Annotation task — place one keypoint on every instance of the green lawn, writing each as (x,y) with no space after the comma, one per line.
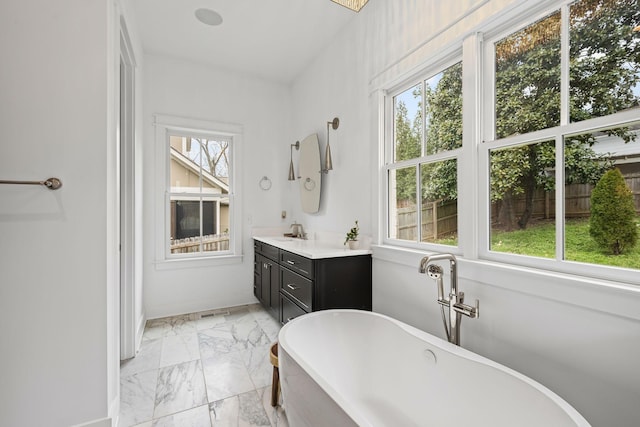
(539,240)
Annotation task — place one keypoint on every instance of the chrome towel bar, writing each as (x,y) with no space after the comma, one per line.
(51,183)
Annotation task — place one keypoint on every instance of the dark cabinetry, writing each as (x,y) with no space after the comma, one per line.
(290,285)
(266,277)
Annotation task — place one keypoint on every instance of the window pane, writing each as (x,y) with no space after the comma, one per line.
(185,225)
(199,188)
(403,215)
(602,209)
(605,58)
(439,202)
(214,157)
(443,107)
(527,77)
(522,200)
(408,124)
(184,172)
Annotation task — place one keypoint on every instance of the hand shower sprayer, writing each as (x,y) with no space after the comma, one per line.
(435,272)
(454,300)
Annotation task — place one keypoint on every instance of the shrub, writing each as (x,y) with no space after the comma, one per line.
(613,216)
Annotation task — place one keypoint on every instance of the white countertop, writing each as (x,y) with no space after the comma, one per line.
(314,249)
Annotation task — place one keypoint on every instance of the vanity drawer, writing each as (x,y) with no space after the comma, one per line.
(289,310)
(266,250)
(297,263)
(298,288)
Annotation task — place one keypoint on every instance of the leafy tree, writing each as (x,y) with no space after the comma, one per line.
(604,74)
(604,69)
(521,170)
(613,215)
(408,146)
(605,58)
(443,107)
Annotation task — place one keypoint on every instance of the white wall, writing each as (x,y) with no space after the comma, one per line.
(579,337)
(335,86)
(179,88)
(57,280)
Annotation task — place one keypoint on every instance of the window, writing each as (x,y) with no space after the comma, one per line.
(552,105)
(422,170)
(199,194)
(198,163)
(554,126)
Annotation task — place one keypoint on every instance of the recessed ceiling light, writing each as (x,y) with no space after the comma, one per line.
(208,17)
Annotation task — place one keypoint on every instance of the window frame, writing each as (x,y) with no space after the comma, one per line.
(566,128)
(452,58)
(476,51)
(164,127)
(198,196)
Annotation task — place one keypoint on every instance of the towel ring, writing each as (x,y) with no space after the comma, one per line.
(265,183)
(309,184)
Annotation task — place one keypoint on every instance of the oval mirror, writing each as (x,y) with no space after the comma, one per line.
(310,178)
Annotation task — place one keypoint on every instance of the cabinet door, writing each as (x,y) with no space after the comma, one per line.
(269,280)
(257,276)
(274,279)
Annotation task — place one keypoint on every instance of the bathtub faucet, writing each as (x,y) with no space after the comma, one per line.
(455,301)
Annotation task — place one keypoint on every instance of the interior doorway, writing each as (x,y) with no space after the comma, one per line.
(126,130)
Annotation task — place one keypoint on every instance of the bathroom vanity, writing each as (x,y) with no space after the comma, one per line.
(293,277)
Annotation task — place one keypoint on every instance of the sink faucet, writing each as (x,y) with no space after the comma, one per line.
(455,301)
(301,234)
(297,230)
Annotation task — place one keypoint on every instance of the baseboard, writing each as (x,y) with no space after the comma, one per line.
(103,422)
(140,331)
(114,409)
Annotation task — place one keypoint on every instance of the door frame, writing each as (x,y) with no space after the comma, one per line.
(126,126)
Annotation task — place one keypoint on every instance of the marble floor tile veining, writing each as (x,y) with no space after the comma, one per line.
(180,387)
(243,410)
(226,375)
(137,397)
(202,370)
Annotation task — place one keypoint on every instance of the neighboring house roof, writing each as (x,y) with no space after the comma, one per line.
(193,166)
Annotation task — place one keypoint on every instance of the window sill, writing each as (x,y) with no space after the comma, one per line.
(199,262)
(616,298)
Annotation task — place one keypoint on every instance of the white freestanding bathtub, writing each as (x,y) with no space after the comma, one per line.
(350,367)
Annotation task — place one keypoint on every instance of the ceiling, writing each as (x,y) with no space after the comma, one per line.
(271,39)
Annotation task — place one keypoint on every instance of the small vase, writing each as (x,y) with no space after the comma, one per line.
(354,244)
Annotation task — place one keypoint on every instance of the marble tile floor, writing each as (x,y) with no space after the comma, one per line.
(207,369)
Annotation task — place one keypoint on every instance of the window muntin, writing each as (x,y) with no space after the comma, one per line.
(422,187)
(199,194)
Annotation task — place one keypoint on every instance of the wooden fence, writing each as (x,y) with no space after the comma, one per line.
(577,200)
(440,219)
(210,243)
